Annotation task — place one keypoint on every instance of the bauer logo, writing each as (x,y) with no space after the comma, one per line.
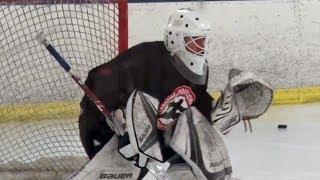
(216,164)
(106,175)
(144,134)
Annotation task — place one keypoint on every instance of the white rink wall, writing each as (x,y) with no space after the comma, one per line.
(278,40)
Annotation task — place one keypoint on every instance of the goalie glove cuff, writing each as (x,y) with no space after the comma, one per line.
(225,112)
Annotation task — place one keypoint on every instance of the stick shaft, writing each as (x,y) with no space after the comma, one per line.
(118,130)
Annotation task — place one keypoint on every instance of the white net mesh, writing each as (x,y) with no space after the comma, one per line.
(39,102)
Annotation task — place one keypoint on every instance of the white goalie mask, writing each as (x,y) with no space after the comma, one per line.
(186,38)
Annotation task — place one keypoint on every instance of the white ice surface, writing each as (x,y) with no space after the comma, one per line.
(272,154)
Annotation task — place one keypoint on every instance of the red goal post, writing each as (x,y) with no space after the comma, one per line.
(123,25)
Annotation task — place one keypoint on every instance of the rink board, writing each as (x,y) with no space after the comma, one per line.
(71,109)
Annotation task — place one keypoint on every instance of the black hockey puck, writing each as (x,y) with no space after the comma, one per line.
(282,126)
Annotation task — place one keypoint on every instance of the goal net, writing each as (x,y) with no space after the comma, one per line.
(39,103)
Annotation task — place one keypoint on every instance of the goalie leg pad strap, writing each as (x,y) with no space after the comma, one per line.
(127,151)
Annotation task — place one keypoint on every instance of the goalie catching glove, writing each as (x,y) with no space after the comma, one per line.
(245,97)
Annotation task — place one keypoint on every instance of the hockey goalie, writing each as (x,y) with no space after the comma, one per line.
(157,92)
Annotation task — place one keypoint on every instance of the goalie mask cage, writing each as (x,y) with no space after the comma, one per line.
(39,102)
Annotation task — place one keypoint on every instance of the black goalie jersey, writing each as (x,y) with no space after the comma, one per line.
(146,67)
